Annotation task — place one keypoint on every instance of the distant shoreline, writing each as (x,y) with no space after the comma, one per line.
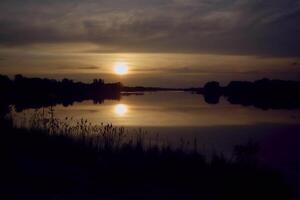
(36,92)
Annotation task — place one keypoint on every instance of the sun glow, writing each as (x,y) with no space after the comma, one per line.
(121,109)
(121,68)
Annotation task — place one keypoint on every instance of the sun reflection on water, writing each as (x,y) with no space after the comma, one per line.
(121,109)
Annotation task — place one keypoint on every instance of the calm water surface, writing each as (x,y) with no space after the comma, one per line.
(173,109)
(175,115)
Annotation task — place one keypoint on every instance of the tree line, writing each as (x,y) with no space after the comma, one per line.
(36,92)
(264,93)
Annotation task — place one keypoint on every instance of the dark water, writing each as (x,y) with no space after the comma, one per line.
(219,127)
(175,115)
(174,109)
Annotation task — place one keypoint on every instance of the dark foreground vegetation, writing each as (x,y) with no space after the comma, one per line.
(52,159)
(264,93)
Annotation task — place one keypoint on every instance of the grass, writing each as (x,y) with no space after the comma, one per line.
(54,159)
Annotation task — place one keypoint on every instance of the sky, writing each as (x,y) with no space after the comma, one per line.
(169,43)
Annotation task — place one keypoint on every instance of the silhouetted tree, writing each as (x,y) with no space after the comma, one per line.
(35,92)
(212,92)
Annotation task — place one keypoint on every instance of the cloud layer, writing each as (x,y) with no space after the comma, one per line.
(239,27)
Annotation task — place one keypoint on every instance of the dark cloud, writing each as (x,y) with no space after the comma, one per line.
(202,70)
(78,68)
(20,33)
(243,27)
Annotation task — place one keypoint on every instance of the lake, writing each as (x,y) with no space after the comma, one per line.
(175,115)
(216,127)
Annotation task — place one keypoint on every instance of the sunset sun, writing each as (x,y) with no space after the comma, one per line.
(120,68)
(121,109)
